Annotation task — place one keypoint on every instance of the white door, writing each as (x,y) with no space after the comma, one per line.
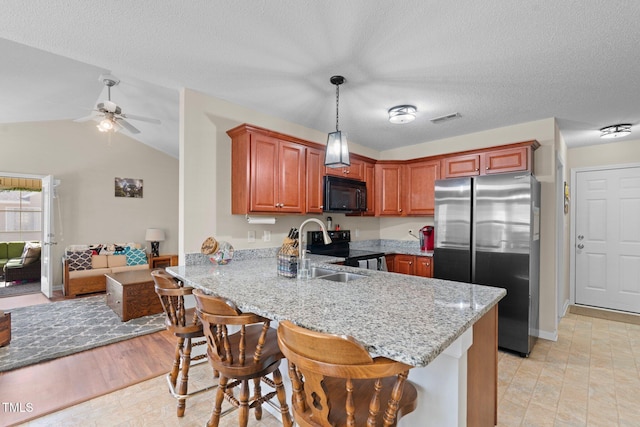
(607,243)
(46,285)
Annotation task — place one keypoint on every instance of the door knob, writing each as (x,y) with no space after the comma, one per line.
(580,246)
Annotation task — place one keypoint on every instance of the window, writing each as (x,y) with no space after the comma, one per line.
(20,215)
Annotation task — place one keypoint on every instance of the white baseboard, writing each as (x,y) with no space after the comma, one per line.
(565,307)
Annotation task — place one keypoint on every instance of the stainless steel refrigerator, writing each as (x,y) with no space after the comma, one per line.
(487,231)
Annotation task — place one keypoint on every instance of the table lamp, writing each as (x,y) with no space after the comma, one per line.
(155,236)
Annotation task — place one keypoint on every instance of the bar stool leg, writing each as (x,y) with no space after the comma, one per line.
(173,376)
(243,416)
(217,406)
(282,399)
(184,376)
(256,396)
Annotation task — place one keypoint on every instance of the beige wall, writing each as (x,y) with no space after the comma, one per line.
(86,163)
(205,157)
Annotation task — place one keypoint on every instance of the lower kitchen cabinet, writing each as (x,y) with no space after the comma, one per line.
(424,266)
(410,264)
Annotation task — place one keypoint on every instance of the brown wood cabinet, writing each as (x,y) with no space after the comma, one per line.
(388,189)
(5,329)
(405,264)
(419,187)
(163,261)
(415,265)
(315,172)
(355,171)
(131,294)
(370,181)
(424,266)
(516,157)
(482,372)
(268,174)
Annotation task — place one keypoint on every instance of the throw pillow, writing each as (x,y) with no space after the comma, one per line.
(31,253)
(135,256)
(79,260)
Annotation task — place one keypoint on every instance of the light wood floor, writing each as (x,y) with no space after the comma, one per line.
(589,377)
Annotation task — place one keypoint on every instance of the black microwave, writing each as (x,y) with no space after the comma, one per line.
(344,195)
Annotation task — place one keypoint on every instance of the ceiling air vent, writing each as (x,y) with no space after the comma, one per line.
(445,118)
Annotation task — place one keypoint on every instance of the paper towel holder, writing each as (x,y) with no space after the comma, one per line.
(261,220)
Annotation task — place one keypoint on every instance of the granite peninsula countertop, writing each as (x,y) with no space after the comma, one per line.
(406,318)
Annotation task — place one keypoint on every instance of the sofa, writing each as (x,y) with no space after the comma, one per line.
(85,266)
(20,261)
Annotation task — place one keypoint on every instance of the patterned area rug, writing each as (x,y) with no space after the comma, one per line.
(48,331)
(13,288)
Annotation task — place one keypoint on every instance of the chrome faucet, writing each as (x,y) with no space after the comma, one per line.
(325,235)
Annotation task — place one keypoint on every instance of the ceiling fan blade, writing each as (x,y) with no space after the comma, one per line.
(141,118)
(128,126)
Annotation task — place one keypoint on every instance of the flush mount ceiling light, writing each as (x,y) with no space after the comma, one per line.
(402,114)
(615,131)
(337,153)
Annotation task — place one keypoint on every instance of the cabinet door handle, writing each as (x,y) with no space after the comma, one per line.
(477,169)
(400,210)
(487,168)
(410,262)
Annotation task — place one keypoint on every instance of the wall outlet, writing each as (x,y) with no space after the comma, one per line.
(357,232)
(251,236)
(266,236)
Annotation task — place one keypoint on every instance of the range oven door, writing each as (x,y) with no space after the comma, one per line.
(371,263)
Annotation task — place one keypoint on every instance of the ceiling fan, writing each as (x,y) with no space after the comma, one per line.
(109,115)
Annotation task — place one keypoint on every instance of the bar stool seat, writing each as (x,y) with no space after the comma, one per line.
(336,382)
(251,353)
(184,324)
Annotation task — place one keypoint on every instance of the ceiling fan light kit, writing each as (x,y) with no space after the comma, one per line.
(615,131)
(337,152)
(402,114)
(110,117)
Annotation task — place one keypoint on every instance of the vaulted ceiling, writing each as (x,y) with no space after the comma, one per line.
(495,63)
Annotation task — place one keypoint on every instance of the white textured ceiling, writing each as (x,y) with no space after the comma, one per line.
(497,63)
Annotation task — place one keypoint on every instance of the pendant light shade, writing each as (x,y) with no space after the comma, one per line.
(337,152)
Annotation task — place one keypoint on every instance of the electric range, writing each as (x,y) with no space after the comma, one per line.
(339,247)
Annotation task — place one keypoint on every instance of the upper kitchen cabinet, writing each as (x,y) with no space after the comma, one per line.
(268,173)
(419,187)
(511,158)
(315,172)
(355,171)
(369,177)
(388,188)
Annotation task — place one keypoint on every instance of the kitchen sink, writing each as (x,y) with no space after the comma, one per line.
(333,275)
(319,271)
(342,277)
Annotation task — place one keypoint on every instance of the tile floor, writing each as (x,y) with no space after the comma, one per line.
(589,377)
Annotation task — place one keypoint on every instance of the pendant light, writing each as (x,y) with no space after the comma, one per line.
(337,153)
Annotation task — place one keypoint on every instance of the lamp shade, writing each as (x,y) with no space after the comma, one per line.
(337,153)
(154,235)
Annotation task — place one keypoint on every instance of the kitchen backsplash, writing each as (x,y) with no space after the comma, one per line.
(408,246)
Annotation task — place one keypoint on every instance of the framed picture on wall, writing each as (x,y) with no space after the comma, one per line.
(128,187)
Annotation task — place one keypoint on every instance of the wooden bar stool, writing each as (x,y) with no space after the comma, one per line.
(336,382)
(184,324)
(248,354)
